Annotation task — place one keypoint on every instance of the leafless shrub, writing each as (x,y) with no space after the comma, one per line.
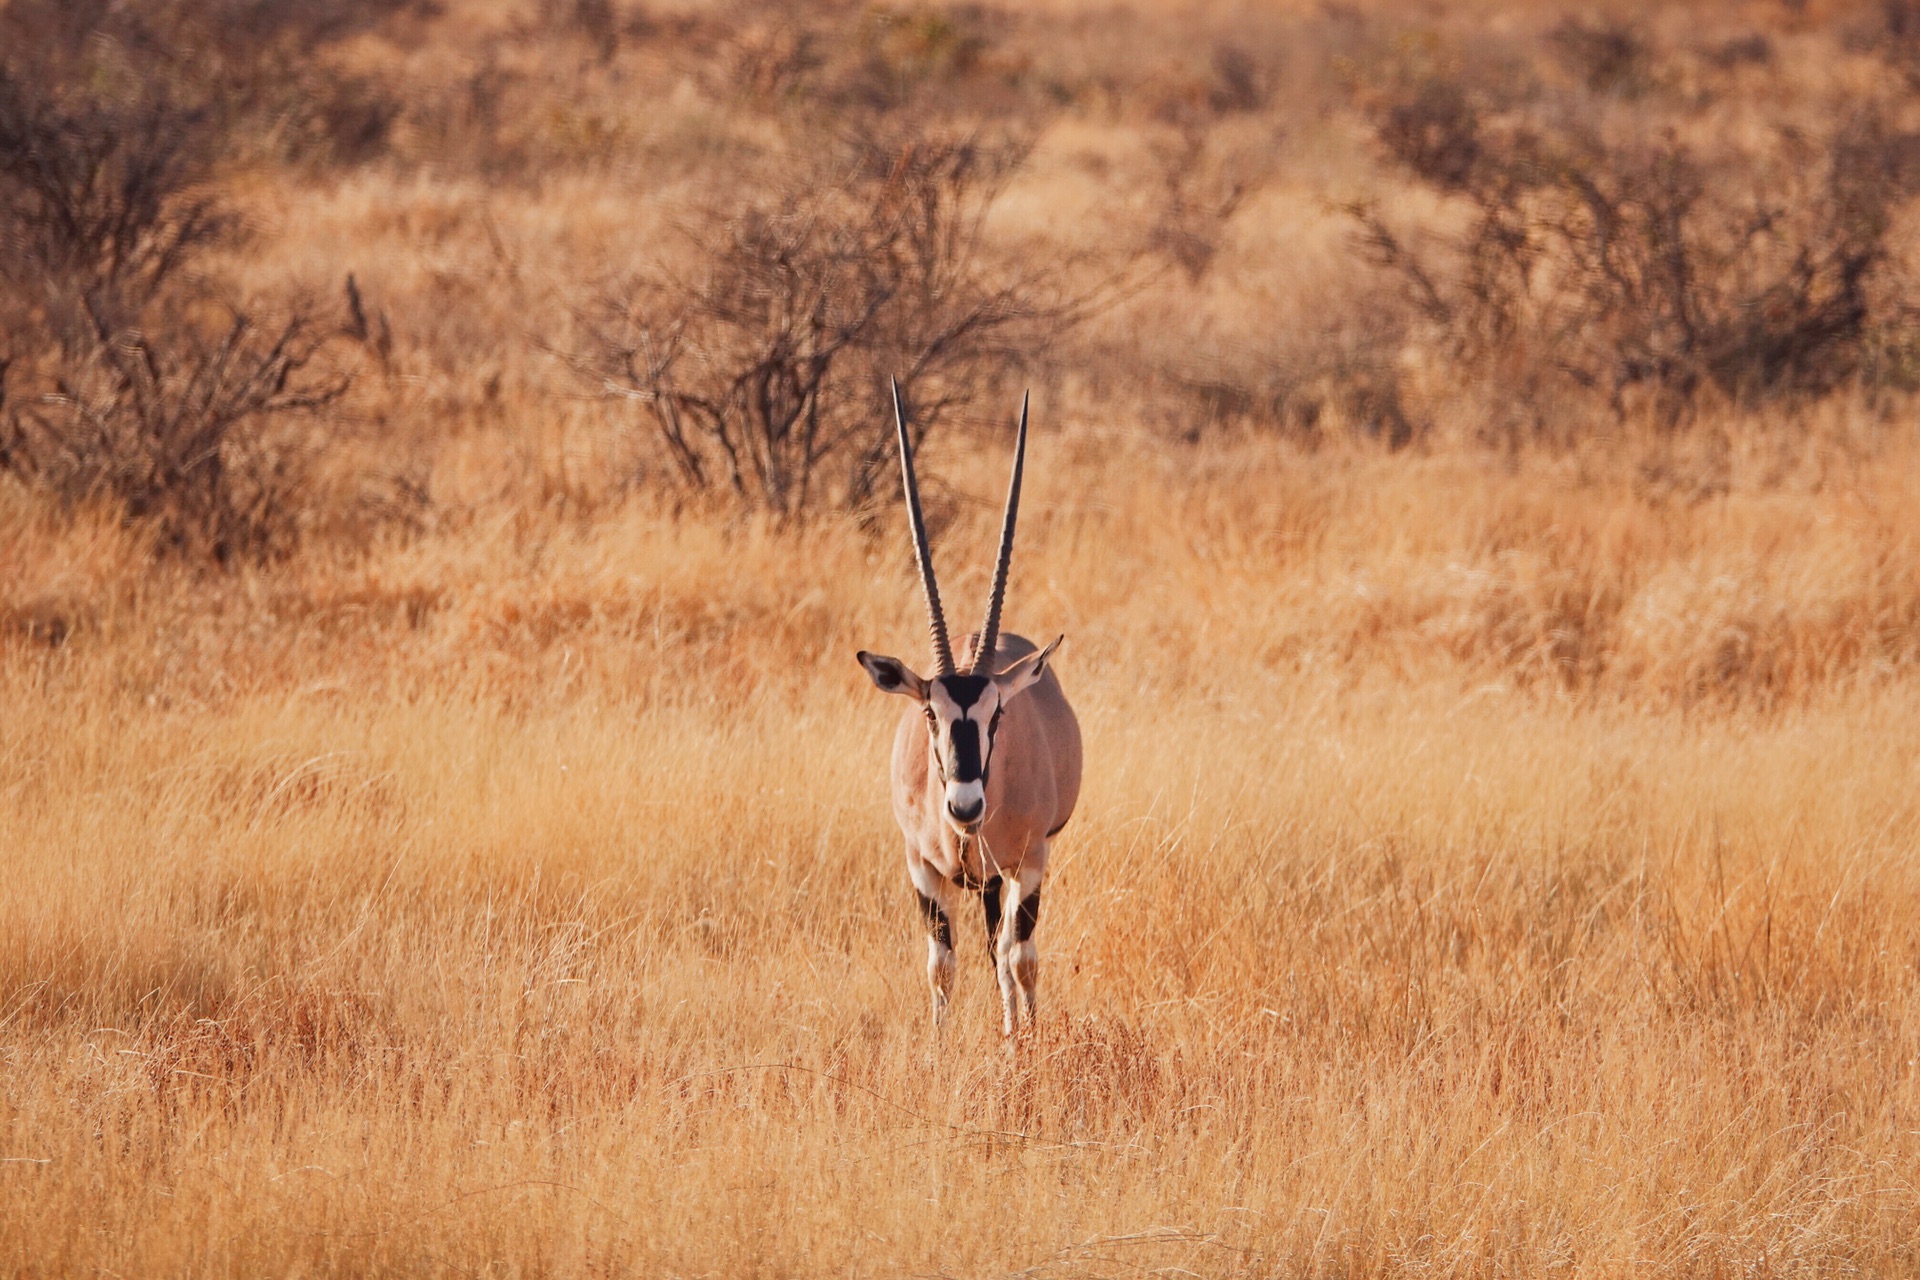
(133,382)
(1753,49)
(1894,34)
(1607,57)
(597,23)
(1435,131)
(1645,271)
(187,435)
(1330,377)
(1239,82)
(1200,195)
(765,373)
(257,71)
(902,51)
(102,205)
(349,120)
(841,58)
(1345,382)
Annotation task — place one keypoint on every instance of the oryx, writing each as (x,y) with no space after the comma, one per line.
(986,768)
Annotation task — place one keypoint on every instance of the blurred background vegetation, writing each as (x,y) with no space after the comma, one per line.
(260,263)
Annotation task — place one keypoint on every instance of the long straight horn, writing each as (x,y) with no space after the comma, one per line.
(990,631)
(936,620)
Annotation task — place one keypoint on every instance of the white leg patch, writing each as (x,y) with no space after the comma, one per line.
(1019,956)
(1026,975)
(940,969)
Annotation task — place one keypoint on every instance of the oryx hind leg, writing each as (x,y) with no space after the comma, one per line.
(936,912)
(1018,958)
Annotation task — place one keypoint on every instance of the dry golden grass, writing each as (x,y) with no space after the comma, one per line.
(1488,866)
(1494,861)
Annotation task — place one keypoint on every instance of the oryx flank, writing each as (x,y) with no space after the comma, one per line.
(986,769)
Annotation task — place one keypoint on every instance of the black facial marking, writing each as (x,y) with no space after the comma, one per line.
(1027,916)
(939,928)
(990,899)
(964,690)
(966,757)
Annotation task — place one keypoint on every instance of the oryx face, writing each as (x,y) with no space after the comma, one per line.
(962,720)
(963,712)
(963,715)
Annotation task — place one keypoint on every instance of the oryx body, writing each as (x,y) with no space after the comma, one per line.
(985,772)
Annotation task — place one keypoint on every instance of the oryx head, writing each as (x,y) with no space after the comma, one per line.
(962,709)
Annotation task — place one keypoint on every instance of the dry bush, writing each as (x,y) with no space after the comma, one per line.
(1329,378)
(1200,195)
(838,61)
(1606,56)
(105,204)
(265,71)
(131,380)
(1893,33)
(1643,272)
(838,58)
(765,374)
(186,437)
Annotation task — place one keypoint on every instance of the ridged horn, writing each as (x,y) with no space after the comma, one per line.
(922,553)
(990,630)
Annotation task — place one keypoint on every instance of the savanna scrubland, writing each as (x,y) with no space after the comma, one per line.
(444,477)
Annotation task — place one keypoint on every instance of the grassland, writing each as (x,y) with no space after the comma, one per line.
(1497,855)
(525,901)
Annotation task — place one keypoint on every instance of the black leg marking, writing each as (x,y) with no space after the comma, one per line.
(990,899)
(1027,916)
(938,926)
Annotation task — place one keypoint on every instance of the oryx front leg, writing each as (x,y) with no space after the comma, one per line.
(1019,958)
(936,912)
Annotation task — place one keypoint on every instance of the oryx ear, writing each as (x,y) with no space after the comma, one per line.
(890,675)
(1024,672)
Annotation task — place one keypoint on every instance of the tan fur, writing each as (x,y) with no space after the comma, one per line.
(1033,782)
